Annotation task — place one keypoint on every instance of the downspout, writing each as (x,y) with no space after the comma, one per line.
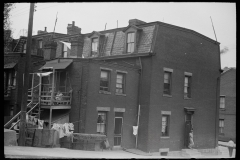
(139,93)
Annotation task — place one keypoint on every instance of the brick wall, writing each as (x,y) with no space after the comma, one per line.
(183,52)
(228,88)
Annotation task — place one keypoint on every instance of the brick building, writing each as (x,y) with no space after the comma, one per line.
(159,77)
(227,113)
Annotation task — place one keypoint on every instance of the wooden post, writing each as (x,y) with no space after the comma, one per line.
(52,96)
(26,80)
(39,95)
(32,87)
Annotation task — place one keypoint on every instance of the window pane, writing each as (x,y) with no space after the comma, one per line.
(166,88)
(186,80)
(132,37)
(129,37)
(103,83)
(119,85)
(119,76)
(132,47)
(104,74)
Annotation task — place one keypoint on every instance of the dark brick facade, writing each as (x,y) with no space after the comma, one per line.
(228,89)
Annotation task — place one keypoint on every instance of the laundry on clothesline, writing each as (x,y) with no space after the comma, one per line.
(40,124)
(65,129)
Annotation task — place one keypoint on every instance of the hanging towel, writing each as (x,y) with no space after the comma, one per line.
(40,124)
(135,130)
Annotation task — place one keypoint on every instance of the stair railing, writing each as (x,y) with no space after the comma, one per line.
(16,116)
(26,113)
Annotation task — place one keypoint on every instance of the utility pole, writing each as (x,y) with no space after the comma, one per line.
(26,78)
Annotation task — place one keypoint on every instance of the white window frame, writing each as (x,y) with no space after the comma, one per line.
(222,104)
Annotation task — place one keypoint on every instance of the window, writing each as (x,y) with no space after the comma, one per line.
(187,87)
(130,42)
(25,47)
(167,83)
(101,122)
(221,126)
(165,125)
(64,50)
(105,80)
(39,43)
(94,46)
(10,77)
(120,83)
(222,102)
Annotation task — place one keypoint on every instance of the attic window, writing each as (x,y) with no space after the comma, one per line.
(94,46)
(130,42)
(132,35)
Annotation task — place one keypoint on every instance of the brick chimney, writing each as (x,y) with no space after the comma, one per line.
(135,22)
(77,47)
(50,48)
(42,32)
(72,29)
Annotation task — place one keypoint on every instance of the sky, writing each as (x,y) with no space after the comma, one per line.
(200,17)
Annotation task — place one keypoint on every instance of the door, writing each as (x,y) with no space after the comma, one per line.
(118,131)
(188,127)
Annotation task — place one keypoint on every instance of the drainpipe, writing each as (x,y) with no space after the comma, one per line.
(139,93)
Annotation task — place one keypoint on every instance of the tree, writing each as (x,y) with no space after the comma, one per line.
(7,26)
(7,9)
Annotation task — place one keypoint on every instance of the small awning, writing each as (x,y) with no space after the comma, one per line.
(9,65)
(57,64)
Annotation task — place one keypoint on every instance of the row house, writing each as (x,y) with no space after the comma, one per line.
(159,77)
(227,110)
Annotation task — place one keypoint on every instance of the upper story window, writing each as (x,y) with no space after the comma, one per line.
(130,42)
(105,80)
(120,83)
(167,83)
(187,87)
(64,50)
(94,46)
(40,44)
(25,47)
(187,84)
(222,102)
(132,34)
(10,78)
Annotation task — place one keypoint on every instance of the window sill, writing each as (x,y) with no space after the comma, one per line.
(187,98)
(222,109)
(221,134)
(165,137)
(120,94)
(167,95)
(104,92)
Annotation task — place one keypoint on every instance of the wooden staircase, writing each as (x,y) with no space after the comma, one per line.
(19,45)
(33,109)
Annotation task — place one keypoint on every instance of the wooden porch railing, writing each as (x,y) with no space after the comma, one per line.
(65,99)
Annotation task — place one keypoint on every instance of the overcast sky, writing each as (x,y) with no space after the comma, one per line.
(93,17)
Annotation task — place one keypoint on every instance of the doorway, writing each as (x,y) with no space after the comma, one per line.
(118,121)
(188,127)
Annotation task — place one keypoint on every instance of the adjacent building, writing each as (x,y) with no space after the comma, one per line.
(159,77)
(227,113)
